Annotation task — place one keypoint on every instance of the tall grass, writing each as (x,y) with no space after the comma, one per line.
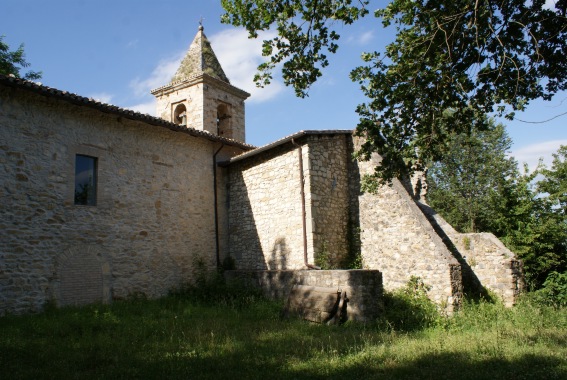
(192,335)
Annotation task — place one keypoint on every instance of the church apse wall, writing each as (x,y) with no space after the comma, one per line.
(265,210)
(265,214)
(151,217)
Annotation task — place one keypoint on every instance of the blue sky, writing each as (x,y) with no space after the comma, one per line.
(118,50)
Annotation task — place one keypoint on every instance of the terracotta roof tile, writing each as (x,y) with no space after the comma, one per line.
(72,98)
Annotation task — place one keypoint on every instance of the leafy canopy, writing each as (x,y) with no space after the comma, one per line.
(468,185)
(452,61)
(476,188)
(11,62)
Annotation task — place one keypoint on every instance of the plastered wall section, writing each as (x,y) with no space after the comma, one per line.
(265,214)
(153,219)
(492,264)
(398,240)
(327,196)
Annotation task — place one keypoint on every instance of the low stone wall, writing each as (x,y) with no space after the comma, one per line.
(363,287)
(484,258)
(495,266)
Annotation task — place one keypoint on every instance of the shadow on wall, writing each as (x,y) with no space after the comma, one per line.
(244,242)
(353,259)
(472,287)
(278,255)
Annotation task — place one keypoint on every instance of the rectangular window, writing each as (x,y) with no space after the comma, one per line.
(85,180)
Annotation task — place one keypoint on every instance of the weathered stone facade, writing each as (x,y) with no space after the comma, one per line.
(397,238)
(153,218)
(200,95)
(265,212)
(265,221)
(486,262)
(185,188)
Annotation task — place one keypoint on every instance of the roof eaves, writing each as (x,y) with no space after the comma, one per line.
(285,140)
(115,110)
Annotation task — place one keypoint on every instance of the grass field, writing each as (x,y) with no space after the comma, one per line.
(179,337)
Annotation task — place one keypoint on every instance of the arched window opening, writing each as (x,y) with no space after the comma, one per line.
(180,115)
(223,121)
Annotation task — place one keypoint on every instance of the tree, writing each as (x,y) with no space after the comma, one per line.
(468,57)
(476,188)
(467,185)
(10,60)
(555,181)
(532,227)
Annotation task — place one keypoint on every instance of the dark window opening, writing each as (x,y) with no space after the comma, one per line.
(223,121)
(85,180)
(180,115)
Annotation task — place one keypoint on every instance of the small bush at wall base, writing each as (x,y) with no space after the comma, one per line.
(409,308)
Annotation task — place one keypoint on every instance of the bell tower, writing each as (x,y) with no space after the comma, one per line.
(200,95)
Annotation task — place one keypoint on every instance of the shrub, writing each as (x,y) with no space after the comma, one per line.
(409,308)
(554,291)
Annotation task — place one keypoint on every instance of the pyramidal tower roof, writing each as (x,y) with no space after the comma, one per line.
(200,59)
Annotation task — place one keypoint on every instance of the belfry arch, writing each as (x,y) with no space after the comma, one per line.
(224,121)
(180,114)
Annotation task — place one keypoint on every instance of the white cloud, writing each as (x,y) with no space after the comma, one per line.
(531,154)
(361,39)
(160,76)
(366,37)
(239,57)
(148,108)
(102,97)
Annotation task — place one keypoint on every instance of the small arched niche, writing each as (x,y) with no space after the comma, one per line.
(180,114)
(223,121)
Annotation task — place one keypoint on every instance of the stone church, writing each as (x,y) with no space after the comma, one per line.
(100,203)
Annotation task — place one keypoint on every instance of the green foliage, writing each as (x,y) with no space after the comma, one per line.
(554,291)
(323,257)
(178,338)
(452,61)
(305,34)
(555,181)
(215,290)
(409,308)
(11,62)
(353,259)
(476,188)
(467,186)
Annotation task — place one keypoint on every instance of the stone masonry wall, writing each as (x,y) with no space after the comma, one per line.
(201,100)
(265,217)
(398,240)
(191,97)
(215,96)
(328,196)
(154,214)
(265,214)
(485,259)
(363,287)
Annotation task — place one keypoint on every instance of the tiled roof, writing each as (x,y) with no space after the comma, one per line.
(286,139)
(10,81)
(200,59)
